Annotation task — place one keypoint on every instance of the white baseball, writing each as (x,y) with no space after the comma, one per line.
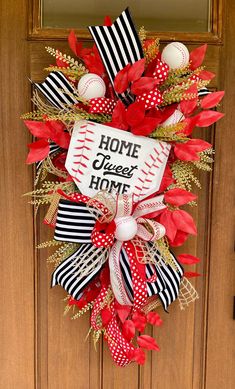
(175,55)
(126,228)
(90,86)
(175,118)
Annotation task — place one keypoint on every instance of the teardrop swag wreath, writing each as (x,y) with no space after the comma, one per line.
(114,127)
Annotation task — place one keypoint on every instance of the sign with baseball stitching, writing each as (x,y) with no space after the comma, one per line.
(105,158)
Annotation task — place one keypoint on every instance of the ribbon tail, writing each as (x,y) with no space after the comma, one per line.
(116,277)
(172,277)
(74,274)
(119,348)
(60,96)
(120,40)
(138,273)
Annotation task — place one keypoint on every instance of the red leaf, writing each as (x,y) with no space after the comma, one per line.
(207,118)
(136,70)
(119,116)
(93,293)
(212,99)
(167,220)
(73,43)
(38,151)
(184,221)
(106,316)
(199,144)
(179,239)
(187,259)
(128,330)
(137,355)
(92,60)
(62,139)
(59,161)
(143,85)
(122,310)
(38,129)
(188,151)
(139,321)
(190,123)
(206,75)
(151,67)
(197,56)
(81,303)
(154,319)
(105,277)
(187,106)
(58,135)
(190,274)
(146,341)
(145,127)
(166,180)
(179,196)
(107,21)
(135,113)
(121,80)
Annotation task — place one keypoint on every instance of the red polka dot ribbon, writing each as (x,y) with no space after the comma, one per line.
(161,71)
(103,234)
(102,105)
(151,99)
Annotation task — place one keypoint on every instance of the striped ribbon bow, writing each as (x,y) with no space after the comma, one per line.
(97,224)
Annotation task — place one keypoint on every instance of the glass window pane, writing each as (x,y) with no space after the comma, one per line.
(154,15)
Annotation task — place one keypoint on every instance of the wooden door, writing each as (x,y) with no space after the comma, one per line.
(40,348)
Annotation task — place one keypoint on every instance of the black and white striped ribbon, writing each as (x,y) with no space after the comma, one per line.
(166,286)
(168,279)
(57,90)
(203,92)
(66,273)
(118,45)
(74,222)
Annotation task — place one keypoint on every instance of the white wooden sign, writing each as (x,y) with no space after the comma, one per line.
(105,158)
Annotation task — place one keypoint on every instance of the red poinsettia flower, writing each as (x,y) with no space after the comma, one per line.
(127,75)
(47,130)
(133,118)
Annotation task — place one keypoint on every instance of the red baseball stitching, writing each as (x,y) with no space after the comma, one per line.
(146,173)
(79,163)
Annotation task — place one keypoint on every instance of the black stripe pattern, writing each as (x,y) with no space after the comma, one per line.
(66,273)
(168,279)
(74,222)
(203,92)
(118,45)
(57,90)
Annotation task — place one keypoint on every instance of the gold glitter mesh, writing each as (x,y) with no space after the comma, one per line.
(187,294)
(109,206)
(144,251)
(51,214)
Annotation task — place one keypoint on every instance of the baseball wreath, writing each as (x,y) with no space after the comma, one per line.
(114,126)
